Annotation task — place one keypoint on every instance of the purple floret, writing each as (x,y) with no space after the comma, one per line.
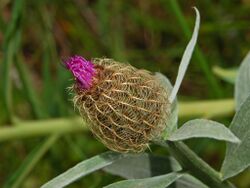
(82,70)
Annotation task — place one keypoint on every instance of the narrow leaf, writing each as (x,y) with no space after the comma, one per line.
(158,181)
(203,128)
(188,181)
(29,89)
(186,57)
(11,45)
(199,56)
(136,166)
(238,155)
(242,87)
(82,169)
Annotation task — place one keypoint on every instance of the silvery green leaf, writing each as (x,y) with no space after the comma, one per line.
(238,155)
(203,128)
(135,166)
(188,181)
(171,122)
(158,181)
(82,169)
(186,57)
(242,86)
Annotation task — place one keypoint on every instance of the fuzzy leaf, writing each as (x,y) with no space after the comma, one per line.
(82,169)
(158,181)
(188,181)
(136,166)
(186,57)
(171,123)
(242,87)
(203,128)
(238,155)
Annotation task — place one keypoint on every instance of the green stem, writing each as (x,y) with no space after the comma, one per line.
(207,108)
(196,166)
(66,125)
(41,128)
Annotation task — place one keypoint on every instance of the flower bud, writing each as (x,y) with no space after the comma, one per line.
(125,107)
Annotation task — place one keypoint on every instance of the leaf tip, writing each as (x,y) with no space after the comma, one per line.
(237,140)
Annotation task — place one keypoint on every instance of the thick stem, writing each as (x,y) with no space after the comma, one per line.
(196,166)
(65,125)
(207,108)
(42,128)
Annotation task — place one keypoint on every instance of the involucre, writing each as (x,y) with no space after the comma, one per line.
(124,107)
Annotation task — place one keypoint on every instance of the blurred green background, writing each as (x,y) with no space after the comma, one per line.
(36,35)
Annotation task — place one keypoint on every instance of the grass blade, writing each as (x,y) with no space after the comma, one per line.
(10,47)
(32,98)
(30,162)
(228,75)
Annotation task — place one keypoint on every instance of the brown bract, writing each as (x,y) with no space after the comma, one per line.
(125,108)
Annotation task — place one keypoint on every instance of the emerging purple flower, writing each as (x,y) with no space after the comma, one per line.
(82,70)
(125,108)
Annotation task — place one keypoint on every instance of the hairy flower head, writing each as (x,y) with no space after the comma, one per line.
(125,107)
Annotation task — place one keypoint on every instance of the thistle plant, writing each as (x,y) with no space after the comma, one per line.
(124,107)
(128,109)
